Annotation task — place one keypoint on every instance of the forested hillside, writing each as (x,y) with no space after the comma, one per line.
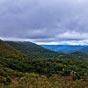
(9,52)
(34,50)
(18,70)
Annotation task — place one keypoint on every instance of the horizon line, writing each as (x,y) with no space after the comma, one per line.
(46,43)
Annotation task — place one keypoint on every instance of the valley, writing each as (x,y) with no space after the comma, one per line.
(27,65)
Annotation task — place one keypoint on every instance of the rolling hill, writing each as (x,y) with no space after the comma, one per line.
(84,49)
(67,48)
(9,52)
(79,55)
(21,73)
(34,50)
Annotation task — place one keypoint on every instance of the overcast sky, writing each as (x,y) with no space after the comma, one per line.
(45,21)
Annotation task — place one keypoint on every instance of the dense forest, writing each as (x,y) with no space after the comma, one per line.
(30,66)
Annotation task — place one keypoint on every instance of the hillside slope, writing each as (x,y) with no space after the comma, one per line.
(35,50)
(84,49)
(8,51)
(55,73)
(79,55)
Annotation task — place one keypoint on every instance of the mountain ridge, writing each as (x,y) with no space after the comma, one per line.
(7,51)
(33,49)
(67,48)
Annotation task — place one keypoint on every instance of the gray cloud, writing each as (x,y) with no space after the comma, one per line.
(44,20)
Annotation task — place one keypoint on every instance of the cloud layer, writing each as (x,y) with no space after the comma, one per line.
(44,21)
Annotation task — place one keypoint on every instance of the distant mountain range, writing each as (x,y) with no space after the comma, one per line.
(36,51)
(67,48)
(29,50)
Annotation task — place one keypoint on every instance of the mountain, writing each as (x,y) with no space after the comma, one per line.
(67,48)
(84,49)
(28,73)
(8,51)
(34,50)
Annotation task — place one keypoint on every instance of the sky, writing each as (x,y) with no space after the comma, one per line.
(45,21)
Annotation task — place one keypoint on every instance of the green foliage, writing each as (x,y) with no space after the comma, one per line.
(33,80)
(33,50)
(74,68)
(46,70)
(9,52)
